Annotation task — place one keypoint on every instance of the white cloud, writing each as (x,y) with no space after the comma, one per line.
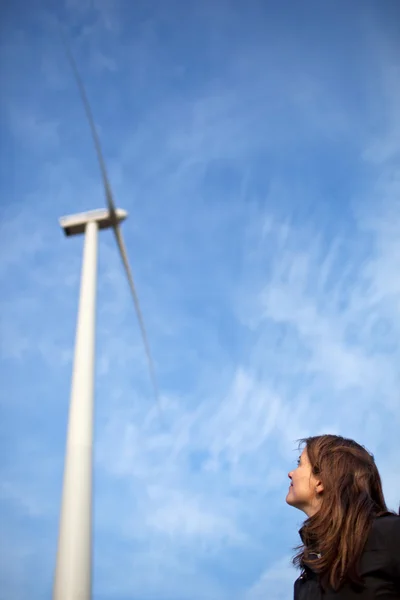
(276,582)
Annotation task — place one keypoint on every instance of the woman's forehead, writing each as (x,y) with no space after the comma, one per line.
(304,455)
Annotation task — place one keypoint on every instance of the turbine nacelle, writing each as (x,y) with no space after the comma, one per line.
(76,224)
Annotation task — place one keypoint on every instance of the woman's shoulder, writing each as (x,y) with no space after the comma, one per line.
(386,524)
(385,533)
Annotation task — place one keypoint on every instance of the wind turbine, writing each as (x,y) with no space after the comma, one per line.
(73,571)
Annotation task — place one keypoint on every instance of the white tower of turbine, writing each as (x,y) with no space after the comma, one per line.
(73,571)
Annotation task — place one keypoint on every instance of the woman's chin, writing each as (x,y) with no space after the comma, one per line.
(289,497)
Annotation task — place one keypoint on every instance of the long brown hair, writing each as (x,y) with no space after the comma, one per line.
(335,536)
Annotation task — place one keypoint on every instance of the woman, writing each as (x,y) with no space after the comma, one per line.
(350,541)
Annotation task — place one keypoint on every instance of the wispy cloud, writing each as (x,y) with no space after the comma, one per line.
(275,582)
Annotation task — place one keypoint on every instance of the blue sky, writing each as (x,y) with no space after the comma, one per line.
(257,150)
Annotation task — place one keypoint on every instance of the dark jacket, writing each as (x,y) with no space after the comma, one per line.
(379,566)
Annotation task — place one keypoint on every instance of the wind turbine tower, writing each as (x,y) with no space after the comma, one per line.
(73,571)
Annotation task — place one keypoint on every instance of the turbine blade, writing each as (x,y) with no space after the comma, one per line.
(96,140)
(114,219)
(124,257)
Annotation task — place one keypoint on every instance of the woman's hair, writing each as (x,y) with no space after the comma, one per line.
(351,499)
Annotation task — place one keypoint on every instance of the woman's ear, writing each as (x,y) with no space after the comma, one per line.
(319,487)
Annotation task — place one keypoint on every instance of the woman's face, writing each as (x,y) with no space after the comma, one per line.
(305,490)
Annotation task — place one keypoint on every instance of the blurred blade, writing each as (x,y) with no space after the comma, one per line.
(107,187)
(124,257)
(114,219)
